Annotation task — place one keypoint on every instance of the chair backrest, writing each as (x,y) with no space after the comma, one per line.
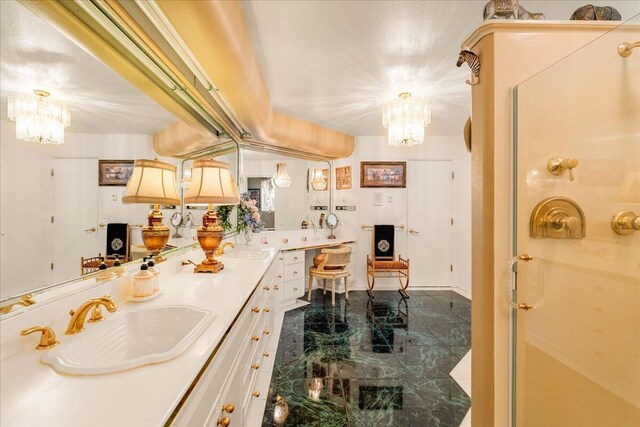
(384,242)
(118,240)
(339,257)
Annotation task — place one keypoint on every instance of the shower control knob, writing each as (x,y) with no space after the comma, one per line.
(625,223)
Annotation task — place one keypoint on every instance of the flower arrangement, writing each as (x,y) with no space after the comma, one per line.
(248,214)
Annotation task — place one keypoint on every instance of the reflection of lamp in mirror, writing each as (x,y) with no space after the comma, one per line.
(281,178)
(153,181)
(317,180)
(211,183)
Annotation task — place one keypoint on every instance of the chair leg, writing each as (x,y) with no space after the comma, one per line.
(324,286)
(333,291)
(310,286)
(346,288)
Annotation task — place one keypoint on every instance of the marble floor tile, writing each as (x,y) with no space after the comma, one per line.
(374,362)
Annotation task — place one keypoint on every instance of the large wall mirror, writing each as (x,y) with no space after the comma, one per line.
(288,190)
(61,201)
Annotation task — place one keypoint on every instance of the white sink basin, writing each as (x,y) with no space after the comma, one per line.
(245,255)
(130,339)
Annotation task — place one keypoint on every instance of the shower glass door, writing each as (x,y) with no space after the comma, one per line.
(576,284)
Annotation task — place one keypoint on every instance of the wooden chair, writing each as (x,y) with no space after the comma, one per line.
(335,265)
(383,264)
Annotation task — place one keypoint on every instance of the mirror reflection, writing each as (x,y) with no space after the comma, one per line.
(71,131)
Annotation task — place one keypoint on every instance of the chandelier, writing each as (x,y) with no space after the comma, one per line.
(281,178)
(38,118)
(405,119)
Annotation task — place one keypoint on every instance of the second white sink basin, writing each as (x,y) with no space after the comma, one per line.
(130,339)
(245,255)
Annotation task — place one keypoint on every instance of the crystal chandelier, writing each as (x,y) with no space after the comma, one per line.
(405,119)
(38,118)
(281,178)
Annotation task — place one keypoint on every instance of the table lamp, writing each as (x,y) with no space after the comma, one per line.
(153,181)
(212,183)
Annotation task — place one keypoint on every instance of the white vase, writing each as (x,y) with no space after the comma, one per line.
(248,235)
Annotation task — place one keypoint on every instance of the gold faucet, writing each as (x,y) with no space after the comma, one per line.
(220,250)
(76,324)
(26,301)
(47,339)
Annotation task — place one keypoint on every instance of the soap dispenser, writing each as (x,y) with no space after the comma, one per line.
(118,269)
(143,282)
(104,274)
(156,275)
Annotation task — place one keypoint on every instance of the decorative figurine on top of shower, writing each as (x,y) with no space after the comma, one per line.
(508,9)
(590,12)
(474,64)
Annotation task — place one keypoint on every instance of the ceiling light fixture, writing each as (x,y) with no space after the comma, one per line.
(405,119)
(38,118)
(281,178)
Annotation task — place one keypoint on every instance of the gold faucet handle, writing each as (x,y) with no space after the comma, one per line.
(47,339)
(96,314)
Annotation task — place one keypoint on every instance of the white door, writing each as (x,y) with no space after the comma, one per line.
(74,197)
(430,215)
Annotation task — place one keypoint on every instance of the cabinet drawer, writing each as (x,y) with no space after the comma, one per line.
(294,289)
(293,257)
(293,272)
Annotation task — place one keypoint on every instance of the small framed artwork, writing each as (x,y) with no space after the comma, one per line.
(383,174)
(254,194)
(114,173)
(343,178)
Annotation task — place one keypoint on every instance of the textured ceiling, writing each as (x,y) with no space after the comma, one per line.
(335,63)
(33,55)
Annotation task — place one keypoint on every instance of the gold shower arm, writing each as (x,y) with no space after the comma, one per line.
(625,49)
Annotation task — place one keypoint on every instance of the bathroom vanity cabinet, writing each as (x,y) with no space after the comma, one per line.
(239,374)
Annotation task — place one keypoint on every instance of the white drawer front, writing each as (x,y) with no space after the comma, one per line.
(294,289)
(293,257)
(293,272)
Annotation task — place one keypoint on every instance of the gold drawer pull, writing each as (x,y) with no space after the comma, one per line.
(255,394)
(295,258)
(255,366)
(255,338)
(266,332)
(255,310)
(295,289)
(295,272)
(228,408)
(224,422)
(276,287)
(266,288)
(265,354)
(279,276)
(266,310)
(280,258)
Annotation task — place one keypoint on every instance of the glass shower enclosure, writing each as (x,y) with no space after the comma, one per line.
(575,292)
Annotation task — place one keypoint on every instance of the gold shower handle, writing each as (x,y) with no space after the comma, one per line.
(524,257)
(625,49)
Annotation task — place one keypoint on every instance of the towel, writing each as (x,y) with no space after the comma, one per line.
(383,242)
(117,239)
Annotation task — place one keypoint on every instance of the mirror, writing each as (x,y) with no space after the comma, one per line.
(332,222)
(285,206)
(61,204)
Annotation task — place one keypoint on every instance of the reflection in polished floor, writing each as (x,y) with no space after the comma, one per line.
(385,361)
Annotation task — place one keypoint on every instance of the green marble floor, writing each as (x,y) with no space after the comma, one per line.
(371,362)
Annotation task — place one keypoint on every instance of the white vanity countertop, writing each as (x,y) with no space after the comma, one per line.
(33,394)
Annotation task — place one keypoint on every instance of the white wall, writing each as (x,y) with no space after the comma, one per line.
(394,210)
(26,207)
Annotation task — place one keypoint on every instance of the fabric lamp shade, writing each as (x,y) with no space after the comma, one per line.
(152,181)
(212,182)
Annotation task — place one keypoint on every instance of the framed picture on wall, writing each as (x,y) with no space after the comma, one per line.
(343,178)
(383,174)
(114,173)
